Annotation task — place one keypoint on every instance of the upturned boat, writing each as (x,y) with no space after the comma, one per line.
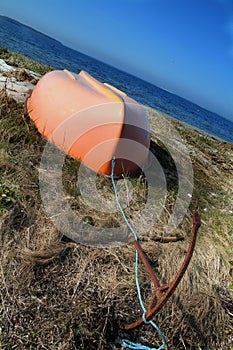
(91,121)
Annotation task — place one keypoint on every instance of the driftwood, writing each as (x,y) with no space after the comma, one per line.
(162,239)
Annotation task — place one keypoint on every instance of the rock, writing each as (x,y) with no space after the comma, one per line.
(34,75)
(4,67)
(18,90)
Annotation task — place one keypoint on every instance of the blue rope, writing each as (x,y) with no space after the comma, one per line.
(128,344)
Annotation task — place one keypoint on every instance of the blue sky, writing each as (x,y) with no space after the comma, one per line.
(184,46)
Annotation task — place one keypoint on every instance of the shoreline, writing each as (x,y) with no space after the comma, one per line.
(190,127)
(26,64)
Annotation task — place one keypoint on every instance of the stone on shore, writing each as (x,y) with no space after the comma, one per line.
(18,90)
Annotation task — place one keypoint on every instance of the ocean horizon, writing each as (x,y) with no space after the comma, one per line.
(18,37)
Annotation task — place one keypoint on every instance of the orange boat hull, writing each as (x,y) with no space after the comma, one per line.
(91,121)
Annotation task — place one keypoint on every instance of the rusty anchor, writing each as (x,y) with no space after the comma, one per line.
(162,293)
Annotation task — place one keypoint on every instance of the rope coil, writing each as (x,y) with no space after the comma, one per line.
(128,344)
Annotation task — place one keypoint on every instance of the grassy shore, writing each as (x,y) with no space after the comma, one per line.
(56,294)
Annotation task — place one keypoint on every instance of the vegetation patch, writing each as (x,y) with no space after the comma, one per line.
(17,60)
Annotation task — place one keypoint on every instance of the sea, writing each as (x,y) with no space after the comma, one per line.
(18,37)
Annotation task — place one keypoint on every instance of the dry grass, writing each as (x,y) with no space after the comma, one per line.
(56,294)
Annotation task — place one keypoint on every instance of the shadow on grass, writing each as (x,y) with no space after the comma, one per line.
(168,165)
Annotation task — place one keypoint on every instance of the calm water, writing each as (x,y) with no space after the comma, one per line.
(17,37)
